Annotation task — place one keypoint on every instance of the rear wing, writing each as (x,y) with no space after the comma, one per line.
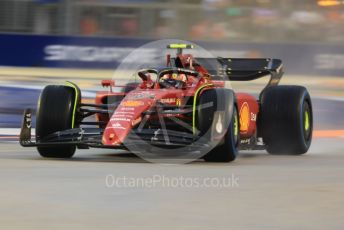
(243,69)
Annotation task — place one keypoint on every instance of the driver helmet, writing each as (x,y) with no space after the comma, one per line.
(179,77)
(174,76)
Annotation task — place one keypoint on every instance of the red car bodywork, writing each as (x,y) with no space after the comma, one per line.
(132,104)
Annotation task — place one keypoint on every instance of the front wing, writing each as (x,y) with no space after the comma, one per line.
(92,137)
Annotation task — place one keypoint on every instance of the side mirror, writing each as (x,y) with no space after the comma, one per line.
(108,83)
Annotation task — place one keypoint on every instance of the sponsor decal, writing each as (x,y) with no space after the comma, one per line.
(117,126)
(245,117)
(253,116)
(219,126)
(245,141)
(329,61)
(62,52)
(141,95)
(168,100)
(28,120)
(124,113)
(120,119)
(126,109)
(132,103)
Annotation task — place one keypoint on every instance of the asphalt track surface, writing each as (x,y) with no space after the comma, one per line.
(268,192)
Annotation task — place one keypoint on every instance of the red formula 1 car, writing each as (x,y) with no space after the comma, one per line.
(185,107)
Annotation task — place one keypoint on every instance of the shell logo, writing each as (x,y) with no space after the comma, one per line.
(244,117)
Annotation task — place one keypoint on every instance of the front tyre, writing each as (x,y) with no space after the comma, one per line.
(56,111)
(286,119)
(221,116)
(228,149)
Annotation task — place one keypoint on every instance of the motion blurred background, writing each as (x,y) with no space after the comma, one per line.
(50,41)
(220,20)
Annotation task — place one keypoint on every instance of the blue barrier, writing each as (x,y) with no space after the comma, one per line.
(14,101)
(85,52)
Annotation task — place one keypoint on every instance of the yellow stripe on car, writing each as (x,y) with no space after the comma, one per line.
(70,84)
(194,106)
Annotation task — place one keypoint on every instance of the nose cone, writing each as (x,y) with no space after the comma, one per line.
(127,115)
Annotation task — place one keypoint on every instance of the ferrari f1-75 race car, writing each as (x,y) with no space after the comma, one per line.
(186,106)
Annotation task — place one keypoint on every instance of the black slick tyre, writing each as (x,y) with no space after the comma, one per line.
(286,119)
(55,112)
(222,113)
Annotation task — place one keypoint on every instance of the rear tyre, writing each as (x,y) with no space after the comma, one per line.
(209,119)
(55,113)
(286,119)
